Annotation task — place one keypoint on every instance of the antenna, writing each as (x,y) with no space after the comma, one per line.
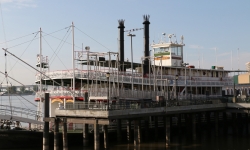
(175,39)
(231,60)
(87,48)
(169,38)
(238,60)
(198,57)
(164,34)
(182,39)
(215,54)
(202,59)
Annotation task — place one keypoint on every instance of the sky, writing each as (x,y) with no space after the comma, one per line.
(216,33)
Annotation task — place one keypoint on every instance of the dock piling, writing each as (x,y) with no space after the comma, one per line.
(96,136)
(105,127)
(118,130)
(216,123)
(156,127)
(56,135)
(225,122)
(129,130)
(136,141)
(146,129)
(85,134)
(167,126)
(65,137)
(194,126)
(46,124)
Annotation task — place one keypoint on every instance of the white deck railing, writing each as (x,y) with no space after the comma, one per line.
(138,79)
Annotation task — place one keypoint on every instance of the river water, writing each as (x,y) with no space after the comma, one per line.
(204,141)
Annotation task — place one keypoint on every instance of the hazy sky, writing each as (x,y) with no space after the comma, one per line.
(205,25)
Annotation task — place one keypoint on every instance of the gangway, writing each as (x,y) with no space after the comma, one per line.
(19,114)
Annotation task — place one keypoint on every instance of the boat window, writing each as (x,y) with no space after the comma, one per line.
(161,51)
(176,50)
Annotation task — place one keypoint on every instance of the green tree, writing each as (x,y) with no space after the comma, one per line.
(22,89)
(35,88)
(12,89)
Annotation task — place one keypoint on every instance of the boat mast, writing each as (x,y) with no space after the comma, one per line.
(40,69)
(40,59)
(73,63)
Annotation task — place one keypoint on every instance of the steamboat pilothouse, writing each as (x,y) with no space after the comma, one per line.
(106,78)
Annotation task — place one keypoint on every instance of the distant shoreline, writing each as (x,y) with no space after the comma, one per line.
(17,94)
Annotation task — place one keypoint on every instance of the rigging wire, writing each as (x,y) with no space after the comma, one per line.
(22,102)
(62,42)
(9,88)
(26,100)
(93,39)
(3,24)
(6,74)
(48,34)
(55,54)
(34,68)
(21,84)
(57,30)
(35,37)
(21,54)
(1,95)
(17,38)
(22,65)
(22,43)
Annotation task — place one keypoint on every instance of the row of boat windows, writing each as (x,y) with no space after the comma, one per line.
(168,50)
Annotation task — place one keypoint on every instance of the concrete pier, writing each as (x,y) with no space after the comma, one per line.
(167,120)
(234,124)
(119,130)
(129,139)
(156,127)
(191,113)
(199,123)
(179,124)
(96,136)
(56,133)
(85,134)
(146,124)
(136,136)
(64,134)
(247,123)
(139,131)
(239,124)
(216,121)
(188,123)
(194,126)
(46,124)
(208,121)
(225,123)
(105,134)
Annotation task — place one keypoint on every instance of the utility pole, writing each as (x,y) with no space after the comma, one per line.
(132,67)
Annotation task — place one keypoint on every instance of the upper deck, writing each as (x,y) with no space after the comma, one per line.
(194,77)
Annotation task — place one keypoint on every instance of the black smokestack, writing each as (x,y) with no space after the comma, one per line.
(121,40)
(146,44)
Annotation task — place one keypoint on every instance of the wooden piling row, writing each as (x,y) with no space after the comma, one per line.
(192,121)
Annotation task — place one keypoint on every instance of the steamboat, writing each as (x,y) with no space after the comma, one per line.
(107,78)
